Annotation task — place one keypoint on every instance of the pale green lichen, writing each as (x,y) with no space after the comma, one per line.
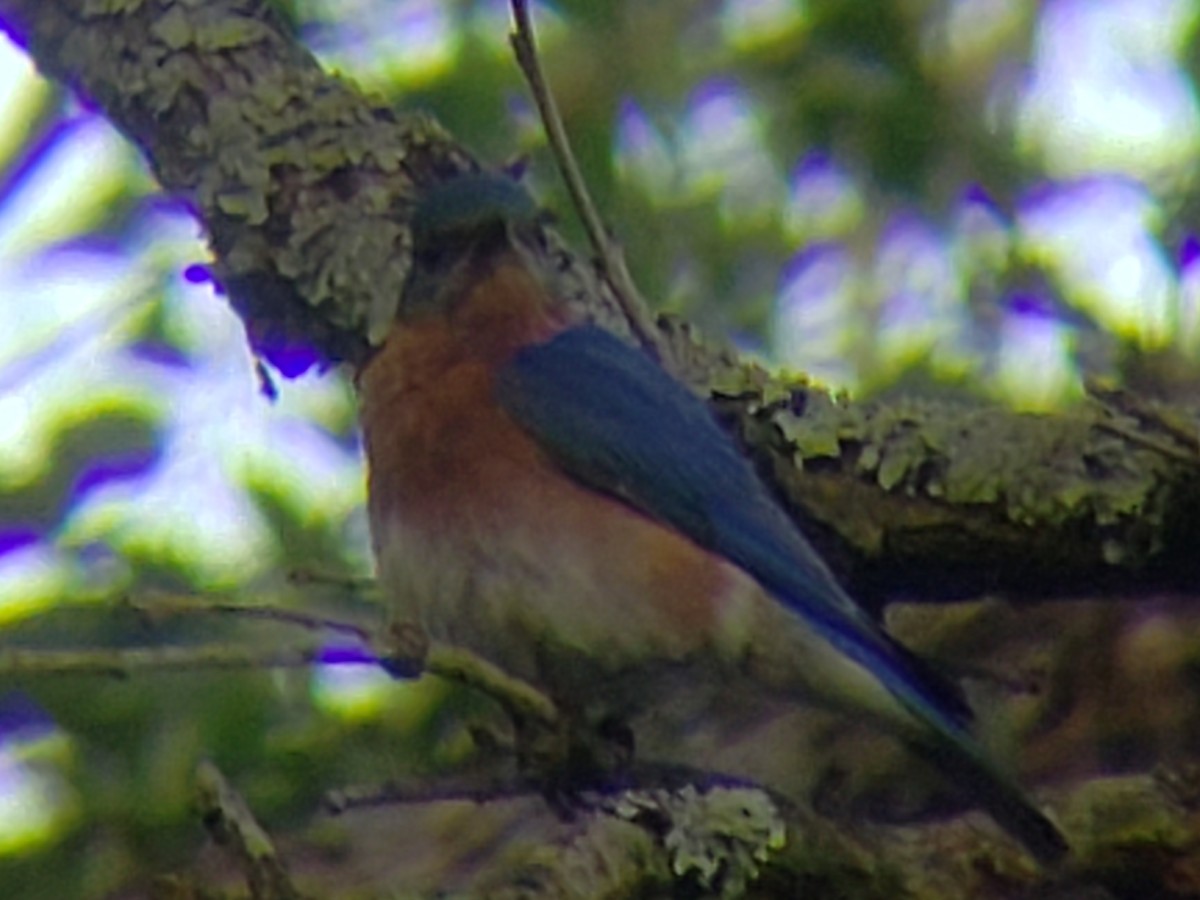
(243,204)
(1040,469)
(1121,812)
(229,32)
(95,9)
(267,120)
(174,28)
(747,381)
(822,427)
(720,836)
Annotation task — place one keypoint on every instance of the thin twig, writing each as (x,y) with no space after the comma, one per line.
(1150,443)
(1120,403)
(305,576)
(171,606)
(232,824)
(466,789)
(519,697)
(492,788)
(608,252)
(403,651)
(122,663)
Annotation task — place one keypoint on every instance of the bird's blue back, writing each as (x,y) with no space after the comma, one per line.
(614,420)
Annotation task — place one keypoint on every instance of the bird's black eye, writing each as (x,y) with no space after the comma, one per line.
(441,253)
(444,251)
(433,257)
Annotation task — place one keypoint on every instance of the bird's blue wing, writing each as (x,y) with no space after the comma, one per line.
(614,420)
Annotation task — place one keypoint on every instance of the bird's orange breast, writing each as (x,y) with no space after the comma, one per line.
(485,543)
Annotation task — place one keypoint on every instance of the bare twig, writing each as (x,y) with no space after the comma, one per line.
(1117,403)
(465,667)
(230,822)
(124,662)
(471,790)
(404,652)
(608,253)
(172,606)
(1150,443)
(306,576)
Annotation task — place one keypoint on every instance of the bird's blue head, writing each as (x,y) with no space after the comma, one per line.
(458,222)
(465,207)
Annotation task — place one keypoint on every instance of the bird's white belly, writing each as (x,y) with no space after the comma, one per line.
(562,618)
(539,606)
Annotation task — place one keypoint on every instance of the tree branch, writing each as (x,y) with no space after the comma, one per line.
(232,824)
(608,252)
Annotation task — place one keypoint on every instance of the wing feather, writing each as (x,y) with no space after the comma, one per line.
(614,420)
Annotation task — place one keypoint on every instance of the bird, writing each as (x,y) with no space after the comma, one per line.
(547,496)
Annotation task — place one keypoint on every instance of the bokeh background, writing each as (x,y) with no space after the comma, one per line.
(996,196)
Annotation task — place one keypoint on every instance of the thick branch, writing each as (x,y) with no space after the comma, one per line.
(498,842)
(936,499)
(294,173)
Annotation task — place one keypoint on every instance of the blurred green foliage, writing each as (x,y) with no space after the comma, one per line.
(884,91)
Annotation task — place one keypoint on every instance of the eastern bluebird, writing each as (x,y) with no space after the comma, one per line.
(549,498)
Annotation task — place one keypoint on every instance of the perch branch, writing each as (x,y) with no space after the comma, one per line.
(608,253)
(232,824)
